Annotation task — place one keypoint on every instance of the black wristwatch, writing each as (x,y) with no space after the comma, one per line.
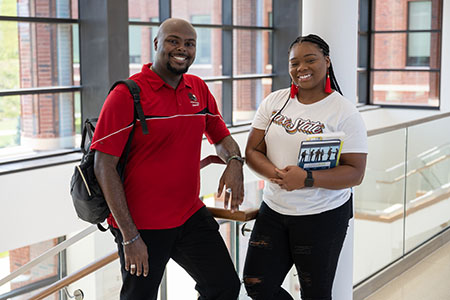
(309,180)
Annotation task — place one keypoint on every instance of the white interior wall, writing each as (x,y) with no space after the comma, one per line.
(445,57)
(36,205)
(337,23)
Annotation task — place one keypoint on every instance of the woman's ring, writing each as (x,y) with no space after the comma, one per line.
(228,190)
(133,266)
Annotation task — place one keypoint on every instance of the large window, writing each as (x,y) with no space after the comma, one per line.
(419,43)
(39,76)
(40,63)
(39,276)
(204,40)
(233,47)
(399,52)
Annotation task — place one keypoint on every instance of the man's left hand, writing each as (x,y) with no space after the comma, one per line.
(233,179)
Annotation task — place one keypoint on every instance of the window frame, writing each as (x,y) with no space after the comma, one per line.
(93,88)
(53,90)
(227,78)
(409,59)
(366,13)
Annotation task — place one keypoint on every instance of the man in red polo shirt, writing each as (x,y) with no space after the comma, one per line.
(156,211)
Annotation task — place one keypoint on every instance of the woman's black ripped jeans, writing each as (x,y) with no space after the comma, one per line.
(312,242)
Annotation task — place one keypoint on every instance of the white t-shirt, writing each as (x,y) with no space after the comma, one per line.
(292,126)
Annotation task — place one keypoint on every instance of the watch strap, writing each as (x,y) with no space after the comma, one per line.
(309,180)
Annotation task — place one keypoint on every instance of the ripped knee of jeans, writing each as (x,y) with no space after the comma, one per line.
(251,284)
(261,241)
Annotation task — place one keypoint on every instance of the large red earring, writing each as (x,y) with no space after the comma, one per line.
(294,90)
(328,89)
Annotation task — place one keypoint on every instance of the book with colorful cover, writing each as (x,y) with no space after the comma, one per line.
(321,151)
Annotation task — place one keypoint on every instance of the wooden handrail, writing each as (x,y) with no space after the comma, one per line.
(76,276)
(49,253)
(243,215)
(400,213)
(211,159)
(418,170)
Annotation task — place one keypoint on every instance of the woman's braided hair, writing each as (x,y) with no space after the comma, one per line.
(315,39)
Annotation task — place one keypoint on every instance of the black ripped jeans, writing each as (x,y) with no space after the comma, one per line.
(312,242)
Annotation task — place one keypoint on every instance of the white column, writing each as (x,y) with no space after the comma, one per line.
(343,282)
(445,59)
(337,23)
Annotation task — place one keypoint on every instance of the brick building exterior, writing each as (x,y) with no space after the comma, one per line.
(47,120)
(46,269)
(250,47)
(391,51)
(45,54)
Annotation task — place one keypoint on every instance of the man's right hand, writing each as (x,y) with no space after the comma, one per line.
(136,252)
(136,258)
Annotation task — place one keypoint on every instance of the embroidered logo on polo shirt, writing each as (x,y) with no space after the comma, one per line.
(194,100)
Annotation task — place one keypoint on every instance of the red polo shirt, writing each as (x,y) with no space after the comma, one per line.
(162,176)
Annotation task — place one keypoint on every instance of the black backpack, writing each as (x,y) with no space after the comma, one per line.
(87,196)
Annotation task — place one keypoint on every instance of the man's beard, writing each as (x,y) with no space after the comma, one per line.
(175,71)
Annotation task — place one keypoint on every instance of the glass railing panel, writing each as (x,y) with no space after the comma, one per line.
(55,296)
(105,283)
(237,235)
(428,182)
(179,284)
(46,272)
(379,205)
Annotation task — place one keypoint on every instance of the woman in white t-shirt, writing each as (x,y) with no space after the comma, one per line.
(304,216)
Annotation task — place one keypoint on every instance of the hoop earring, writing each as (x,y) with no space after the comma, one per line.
(294,90)
(328,89)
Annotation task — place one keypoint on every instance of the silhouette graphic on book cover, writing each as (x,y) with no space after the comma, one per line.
(320,152)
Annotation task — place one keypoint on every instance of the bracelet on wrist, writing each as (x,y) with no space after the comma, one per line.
(237,157)
(131,241)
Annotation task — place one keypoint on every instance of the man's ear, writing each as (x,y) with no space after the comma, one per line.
(155,43)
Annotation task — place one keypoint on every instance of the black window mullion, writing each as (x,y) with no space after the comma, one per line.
(370,50)
(409,69)
(49,20)
(165,9)
(407,31)
(227,61)
(40,90)
(364,50)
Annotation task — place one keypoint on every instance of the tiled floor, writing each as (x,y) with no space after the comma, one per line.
(428,280)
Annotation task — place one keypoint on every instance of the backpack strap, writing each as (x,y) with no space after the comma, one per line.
(138,114)
(88,129)
(135,93)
